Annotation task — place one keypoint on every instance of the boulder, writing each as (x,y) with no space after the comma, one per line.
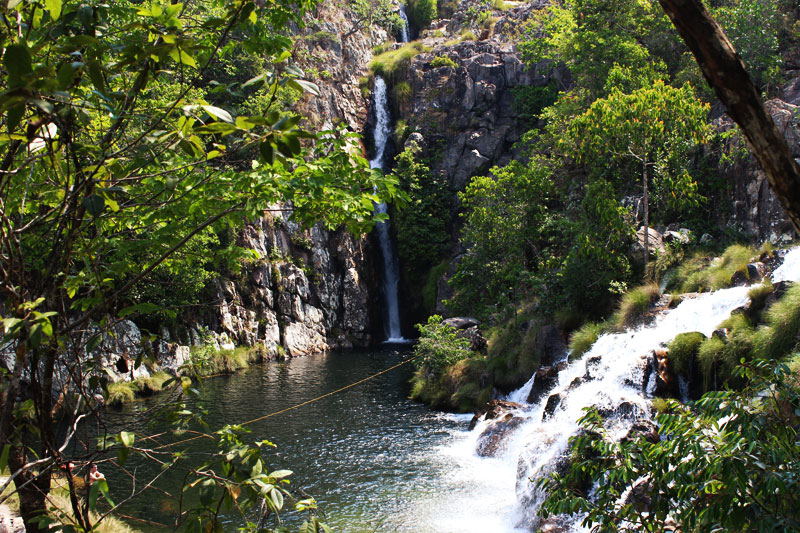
(546,378)
(494,409)
(491,441)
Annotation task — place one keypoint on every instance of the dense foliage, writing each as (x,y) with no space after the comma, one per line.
(727,463)
(134,136)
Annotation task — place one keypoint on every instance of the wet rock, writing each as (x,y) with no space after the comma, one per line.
(642,428)
(461,322)
(552,404)
(665,383)
(546,378)
(551,345)
(494,409)
(491,441)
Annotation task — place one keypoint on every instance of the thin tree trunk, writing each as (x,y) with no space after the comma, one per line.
(725,72)
(646,195)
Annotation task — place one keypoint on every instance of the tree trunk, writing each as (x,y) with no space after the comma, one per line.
(725,72)
(31,490)
(646,200)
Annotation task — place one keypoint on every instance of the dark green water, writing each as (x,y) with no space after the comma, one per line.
(373,459)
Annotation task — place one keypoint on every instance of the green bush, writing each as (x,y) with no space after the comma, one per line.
(582,340)
(463,386)
(443,61)
(529,101)
(439,346)
(421,12)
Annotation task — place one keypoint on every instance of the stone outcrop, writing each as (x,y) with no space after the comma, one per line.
(308,293)
(466,113)
(754,208)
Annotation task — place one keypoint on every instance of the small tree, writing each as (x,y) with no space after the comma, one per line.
(650,132)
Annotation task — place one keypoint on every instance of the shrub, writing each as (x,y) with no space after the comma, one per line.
(530,101)
(439,346)
(582,340)
(460,387)
(443,61)
(421,12)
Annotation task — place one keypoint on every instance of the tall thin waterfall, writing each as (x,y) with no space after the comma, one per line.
(391,275)
(615,376)
(404,29)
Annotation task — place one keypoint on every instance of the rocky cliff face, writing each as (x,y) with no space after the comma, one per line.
(461,106)
(751,206)
(311,292)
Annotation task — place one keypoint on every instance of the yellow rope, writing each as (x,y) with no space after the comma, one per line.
(318,398)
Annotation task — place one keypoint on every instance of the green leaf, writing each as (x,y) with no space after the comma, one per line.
(308,87)
(54,7)
(126,438)
(17,61)
(94,204)
(144,308)
(216,112)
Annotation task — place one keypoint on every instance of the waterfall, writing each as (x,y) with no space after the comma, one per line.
(612,377)
(404,28)
(391,275)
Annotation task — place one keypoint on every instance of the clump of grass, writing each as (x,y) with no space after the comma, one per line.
(390,62)
(153,384)
(701,274)
(582,340)
(402,93)
(120,393)
(778,337)
(443,61)
(61,508)
(635,305)
(709,355)
(501,5)
(682,351)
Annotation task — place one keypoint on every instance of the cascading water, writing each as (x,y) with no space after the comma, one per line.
(611,377)
(404,28)
(391,275)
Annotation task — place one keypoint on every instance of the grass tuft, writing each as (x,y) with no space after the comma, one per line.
(635,305)
(582,340)
(121,393)
(683,349)
(779,336)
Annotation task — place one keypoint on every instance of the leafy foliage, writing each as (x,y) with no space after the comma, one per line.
(421,12)
(439,346)
(727,463)
(132,140)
